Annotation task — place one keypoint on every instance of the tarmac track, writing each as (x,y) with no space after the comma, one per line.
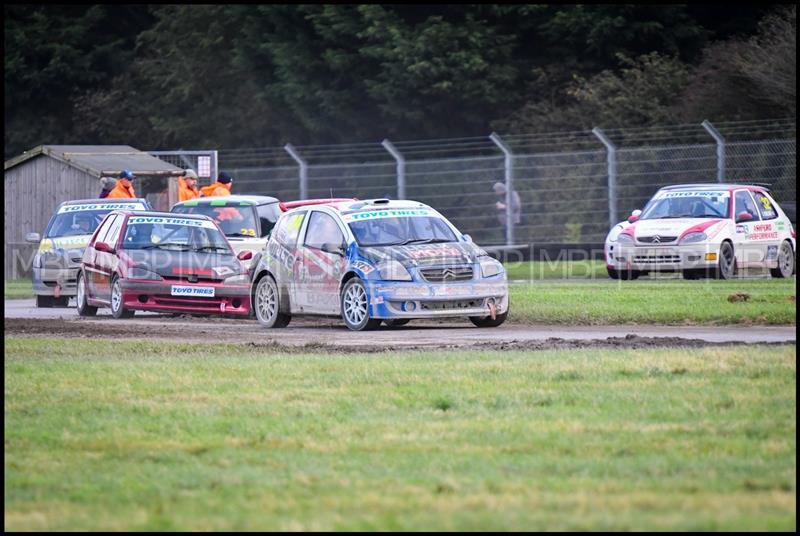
(330,334)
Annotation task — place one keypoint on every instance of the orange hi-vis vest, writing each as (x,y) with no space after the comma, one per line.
(185,192)
(121,191)
(215,190)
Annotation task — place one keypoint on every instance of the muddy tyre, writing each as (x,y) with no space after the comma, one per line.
(84,309)
(266,304)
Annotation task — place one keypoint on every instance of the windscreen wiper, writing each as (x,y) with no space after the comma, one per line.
(164,244)
(424,241)
(215,248)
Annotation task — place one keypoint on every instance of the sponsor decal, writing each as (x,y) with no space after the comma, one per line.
(434,250)
(772,252)
(222,271)
(160,220)
(761,231)
(780,226)
(363,266)
(389,213)
(376,300)
(181,290)
(741,229)
(72,242)
(695,194)
(101,206)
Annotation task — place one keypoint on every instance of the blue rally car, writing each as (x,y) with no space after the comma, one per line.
(372,261)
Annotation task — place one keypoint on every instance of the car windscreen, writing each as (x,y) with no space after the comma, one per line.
(400,230)
(236,219)
(74,220)
(699,204)
(180,234)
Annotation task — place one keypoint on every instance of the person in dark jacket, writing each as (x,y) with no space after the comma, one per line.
(107,184)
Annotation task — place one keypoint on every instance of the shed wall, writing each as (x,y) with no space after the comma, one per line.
(32,191)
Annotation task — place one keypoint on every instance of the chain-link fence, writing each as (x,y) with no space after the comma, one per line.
(571,185)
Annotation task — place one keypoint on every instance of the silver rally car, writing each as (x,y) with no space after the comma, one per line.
(56,263)
(375,261)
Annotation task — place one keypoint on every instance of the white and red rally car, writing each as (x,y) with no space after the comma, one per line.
(703,229)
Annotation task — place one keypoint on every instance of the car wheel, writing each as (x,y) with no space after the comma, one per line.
(63,301)
(612,273)
(266,303)
(488,321)
(726,266)
(627,275)
(84,309)
(117,307)
(693,274)
(785,261)
(355,306)
(396,322)
(44,301)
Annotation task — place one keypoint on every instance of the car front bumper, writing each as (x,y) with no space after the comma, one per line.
(395,299)
(146,295)
(668,258)
(54,281)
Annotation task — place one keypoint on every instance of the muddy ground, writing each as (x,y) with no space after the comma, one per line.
(330,336)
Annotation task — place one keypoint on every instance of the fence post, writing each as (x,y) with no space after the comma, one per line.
(401,168)
(303,169)
(720,148)
(214,165)
(612,175)
(509,168)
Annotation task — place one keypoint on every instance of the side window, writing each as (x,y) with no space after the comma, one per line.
(744,203)
(765,206)
(267,215)
(322,229)
(289,228)
(105,226)
(113,231)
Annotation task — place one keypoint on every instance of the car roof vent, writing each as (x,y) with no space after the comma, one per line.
(382,201)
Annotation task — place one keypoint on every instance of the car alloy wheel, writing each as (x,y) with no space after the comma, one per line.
(84,309)
(117,307)
(267,304)
(785,261)
(727,262)
(355,306)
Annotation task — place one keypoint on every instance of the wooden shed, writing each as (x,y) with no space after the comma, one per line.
(37,181)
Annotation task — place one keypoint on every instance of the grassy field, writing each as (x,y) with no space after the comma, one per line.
(159,436)
(18,289)
(770,301)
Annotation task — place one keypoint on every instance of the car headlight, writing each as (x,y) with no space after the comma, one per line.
(490,266)
(393,271)
(625,238)
(693,238)
(614,233)
(137,272)
(238,279)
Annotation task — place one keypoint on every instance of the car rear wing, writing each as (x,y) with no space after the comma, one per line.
(288,205)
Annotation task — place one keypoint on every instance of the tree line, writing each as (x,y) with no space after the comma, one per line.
(226,76)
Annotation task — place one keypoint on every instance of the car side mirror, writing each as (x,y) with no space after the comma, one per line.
(33,238)
(336,249)
(102,246)
(743,216)
(245,255)
(634,216)
(467,238)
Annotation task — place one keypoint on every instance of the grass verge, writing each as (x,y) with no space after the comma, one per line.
(671,301)
(16,289)
(169,436)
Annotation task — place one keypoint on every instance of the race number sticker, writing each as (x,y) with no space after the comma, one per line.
(185,290)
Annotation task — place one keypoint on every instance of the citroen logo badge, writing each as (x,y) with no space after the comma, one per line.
(656,239)
(448,274)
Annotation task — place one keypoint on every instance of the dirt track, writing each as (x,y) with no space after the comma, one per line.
(329,335)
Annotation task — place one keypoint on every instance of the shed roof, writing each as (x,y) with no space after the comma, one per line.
(99,160)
